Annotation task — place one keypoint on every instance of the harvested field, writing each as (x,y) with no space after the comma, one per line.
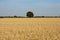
(29,28)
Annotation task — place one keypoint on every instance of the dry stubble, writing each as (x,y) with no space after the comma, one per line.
(29,28)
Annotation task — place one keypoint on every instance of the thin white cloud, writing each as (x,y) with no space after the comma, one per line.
(18,7)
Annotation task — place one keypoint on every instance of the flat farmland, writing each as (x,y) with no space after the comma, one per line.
(29,28)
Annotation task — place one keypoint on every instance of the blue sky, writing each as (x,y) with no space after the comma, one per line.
(38,7)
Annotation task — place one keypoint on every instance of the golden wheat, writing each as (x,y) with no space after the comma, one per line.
(29,28)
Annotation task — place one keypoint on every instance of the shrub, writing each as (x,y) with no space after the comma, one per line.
(30,14)
(15,16)
(42,16)
(1,17)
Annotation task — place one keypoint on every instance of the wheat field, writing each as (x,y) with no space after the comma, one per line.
(29,28)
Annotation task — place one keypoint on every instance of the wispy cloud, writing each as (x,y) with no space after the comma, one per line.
(20,7)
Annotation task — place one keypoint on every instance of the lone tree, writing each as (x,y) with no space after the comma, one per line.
(15,16)
(30,14)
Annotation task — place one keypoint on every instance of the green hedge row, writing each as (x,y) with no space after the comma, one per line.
(29,17)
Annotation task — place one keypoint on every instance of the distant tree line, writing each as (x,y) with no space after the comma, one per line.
(29,14)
